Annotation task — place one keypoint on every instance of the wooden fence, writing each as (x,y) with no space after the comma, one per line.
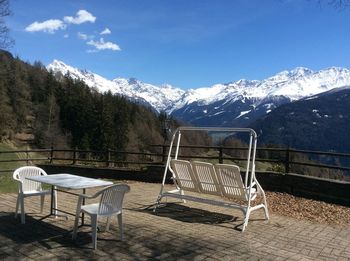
(284,158)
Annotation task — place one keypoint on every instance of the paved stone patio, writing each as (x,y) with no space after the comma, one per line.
(179,231)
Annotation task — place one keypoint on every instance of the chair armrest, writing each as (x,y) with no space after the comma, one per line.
(17,179)
(90,196)
(98,193)
(20,184)
(82,197)
(86,196)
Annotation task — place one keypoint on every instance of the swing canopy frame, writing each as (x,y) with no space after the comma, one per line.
(223,180)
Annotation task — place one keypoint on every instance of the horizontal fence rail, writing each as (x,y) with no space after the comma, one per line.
(285,158)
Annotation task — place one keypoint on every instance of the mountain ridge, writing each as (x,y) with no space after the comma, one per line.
(236,103)
(132,88)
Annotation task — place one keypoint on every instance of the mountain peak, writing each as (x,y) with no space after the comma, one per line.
(243,82)
(59,66)
(133,80)
(56,64)
(166,86)
(301,71)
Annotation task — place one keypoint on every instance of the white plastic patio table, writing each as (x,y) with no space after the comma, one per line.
(69,182)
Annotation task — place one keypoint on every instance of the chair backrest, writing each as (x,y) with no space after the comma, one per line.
(184,176)
(230,181)
(206,176)
(112,199)
(22,173)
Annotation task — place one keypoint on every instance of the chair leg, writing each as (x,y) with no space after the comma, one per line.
(17,205)
(120,223)
(75,228)
(94,230)
(55,206)
(22,210)
(42,199)
(55,201)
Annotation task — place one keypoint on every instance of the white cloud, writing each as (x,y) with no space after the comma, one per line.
(106,31)
(92,51)
(82,16)
(82,36)
(66,36)
(85,36)
(102,45)
(48,26)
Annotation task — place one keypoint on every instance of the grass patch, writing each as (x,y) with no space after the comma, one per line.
(7,184)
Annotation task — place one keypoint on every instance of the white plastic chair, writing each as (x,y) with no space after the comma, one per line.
(111,202)
(28,188)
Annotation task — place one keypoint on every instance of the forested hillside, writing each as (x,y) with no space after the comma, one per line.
(316,123)
(38,108)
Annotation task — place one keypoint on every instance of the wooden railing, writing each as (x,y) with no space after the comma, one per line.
(285,158)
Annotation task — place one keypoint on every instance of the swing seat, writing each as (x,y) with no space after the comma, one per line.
(231,183)
(221,180)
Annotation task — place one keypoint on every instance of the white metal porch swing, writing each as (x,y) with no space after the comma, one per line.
(223,180)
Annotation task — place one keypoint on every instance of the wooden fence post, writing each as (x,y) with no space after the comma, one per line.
(75,155)
(108,157)
(51,155)
(163,153)
(27,156)
(286,161)
(221,160)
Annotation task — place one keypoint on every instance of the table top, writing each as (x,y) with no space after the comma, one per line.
(70,181)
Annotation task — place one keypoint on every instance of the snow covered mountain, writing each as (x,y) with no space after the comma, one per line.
(160,98)
(233,104)
(241,103)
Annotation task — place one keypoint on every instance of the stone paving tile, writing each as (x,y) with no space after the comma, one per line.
(178,231)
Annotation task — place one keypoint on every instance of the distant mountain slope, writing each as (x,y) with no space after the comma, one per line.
(321,122)
(234,104)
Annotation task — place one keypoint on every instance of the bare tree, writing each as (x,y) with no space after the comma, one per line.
(5,41)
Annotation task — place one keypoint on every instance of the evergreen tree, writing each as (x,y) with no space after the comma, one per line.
(64,111)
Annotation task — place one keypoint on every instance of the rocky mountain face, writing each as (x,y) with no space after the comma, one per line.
(234,104)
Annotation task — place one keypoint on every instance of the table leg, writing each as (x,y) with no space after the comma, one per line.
(82,215)
(52,198)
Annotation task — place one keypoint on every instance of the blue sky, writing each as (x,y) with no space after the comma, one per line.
(185,43)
